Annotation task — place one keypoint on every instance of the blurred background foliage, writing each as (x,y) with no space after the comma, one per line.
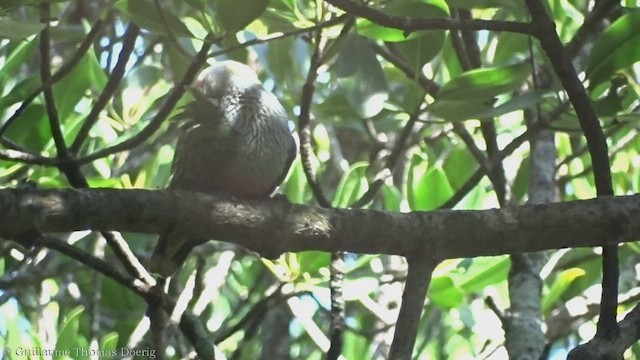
(371,83)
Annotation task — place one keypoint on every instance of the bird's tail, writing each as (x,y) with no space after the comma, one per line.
(170,253)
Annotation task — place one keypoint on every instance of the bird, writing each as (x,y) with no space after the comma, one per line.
(234,138)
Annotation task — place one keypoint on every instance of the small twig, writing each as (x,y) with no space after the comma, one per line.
(164,111)
(110,88)
(60,74)
(170,34)
(596,142)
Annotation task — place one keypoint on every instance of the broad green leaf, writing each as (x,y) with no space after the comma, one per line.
(617,48)
(361,76)
(20,91)
(485,84)
(352,185)
(283,62)
(483,272)
(235,15)
(559,286)
(295,188)
(147,15)
(522,180)
(428,190)
(109,341)
(17,30)
(392,197)
(17,58)
(568,19)
(419,51)
(444,293)
(312,261)
(31,129)
(509,46)
(68,333)
(459,166)
(199,5)
(413,9)
(484,4)
(73,87)
(456,110)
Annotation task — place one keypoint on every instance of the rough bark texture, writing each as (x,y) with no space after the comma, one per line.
(274,226)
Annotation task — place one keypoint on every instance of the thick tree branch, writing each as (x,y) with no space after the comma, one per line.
(273,226)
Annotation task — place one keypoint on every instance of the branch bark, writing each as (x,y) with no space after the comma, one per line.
(274,226)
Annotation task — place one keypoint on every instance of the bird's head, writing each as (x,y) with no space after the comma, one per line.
(225,77)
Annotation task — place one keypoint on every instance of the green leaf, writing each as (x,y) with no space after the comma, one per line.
(618,47)
(312,261)
(20,91)
(411,9)
(392,197)
(17,58)
(459,166)
(444,293)
(352,185)
(147,15)
(71,89)
(18,30)
(485,84)
(295,188)
(68,333)
(235,15)
(421,50)
(559,286)
(427,188)
(361,76)
(484,4)
(456,110)
(109,341)
(484,272)
(522,179)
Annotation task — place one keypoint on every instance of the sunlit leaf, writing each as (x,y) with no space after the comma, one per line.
(444,293)
(618,47)
(413,9)
(427,188)
(352,185)
(559,286)
(67,335)
(485,83)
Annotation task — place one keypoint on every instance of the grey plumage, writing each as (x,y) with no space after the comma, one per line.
(235,139)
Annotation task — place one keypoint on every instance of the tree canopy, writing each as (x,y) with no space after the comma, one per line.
(471,148)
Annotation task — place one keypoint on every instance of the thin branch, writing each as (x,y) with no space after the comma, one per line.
(278,36)
(59,75)
(163,112)
(600,10)
(128,43)
(413,24)
(304,124)
(597,144)
(93,262)
(27,158)
(391,162)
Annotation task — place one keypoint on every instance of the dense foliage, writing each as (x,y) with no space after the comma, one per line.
(413,119)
